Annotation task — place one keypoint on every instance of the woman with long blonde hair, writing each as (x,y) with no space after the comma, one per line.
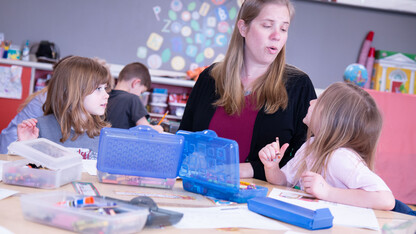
(336,161)
(253,96)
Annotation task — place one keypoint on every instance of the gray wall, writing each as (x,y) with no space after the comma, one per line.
(324,38)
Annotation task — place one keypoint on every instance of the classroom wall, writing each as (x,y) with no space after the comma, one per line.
(324,38)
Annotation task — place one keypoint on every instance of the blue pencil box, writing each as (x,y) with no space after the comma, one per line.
(210,166)
(292,214)
(139,156)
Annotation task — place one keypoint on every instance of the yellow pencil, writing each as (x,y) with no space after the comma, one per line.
(163,117)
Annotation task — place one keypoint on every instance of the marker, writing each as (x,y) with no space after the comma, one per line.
(365,48)
(369,67)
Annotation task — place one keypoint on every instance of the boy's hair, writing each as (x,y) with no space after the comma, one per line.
(269,89)
(345,115)
(73,79)
(136,70)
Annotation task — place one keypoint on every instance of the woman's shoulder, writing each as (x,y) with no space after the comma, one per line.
(296,77)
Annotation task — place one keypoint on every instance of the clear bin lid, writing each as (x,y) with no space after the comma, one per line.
(46,153)
(208,158)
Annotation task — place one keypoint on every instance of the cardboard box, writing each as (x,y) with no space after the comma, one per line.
(394,72)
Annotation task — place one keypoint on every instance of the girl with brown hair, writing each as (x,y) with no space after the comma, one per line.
(74,108)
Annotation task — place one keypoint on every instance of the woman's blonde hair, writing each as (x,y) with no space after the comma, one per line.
(72,80)
(344,116)
(269,89)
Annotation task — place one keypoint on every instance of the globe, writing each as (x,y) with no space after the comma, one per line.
(356,73)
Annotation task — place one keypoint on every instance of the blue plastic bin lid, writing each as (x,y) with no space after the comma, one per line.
(207,158)
(139,151)
(290,213)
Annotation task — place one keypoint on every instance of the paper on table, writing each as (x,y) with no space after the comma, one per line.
(224,217)
(90,166)
(343,214)
(6,193)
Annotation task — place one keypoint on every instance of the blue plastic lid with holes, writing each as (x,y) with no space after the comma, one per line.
(210,160)
(139,151)
(210,166)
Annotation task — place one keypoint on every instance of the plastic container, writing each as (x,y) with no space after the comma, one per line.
(210,166)
(53,209)
(177,108)
(63,166)
(145,98)
(159,98)
(139,156)
(158,108)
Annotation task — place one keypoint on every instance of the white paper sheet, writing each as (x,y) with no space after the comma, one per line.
(90,166)
(224,217)
(6,193)
(344,215)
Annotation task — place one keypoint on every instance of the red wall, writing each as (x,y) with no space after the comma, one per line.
(8,107)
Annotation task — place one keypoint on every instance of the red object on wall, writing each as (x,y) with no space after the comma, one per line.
(8,107)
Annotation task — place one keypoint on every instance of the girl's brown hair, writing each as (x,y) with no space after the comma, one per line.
(269,89)
(344,116)
(73,79)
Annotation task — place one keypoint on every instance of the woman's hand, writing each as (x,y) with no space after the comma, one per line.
(315,184)
(271,154)
(27,130)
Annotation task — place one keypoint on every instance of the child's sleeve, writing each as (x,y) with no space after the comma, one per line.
(347,170)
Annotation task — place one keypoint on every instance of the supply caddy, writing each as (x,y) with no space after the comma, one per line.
(47,165)
(210,166)
(139,156)
(292,214)
(83,214)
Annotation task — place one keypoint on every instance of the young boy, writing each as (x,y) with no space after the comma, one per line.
(124,108)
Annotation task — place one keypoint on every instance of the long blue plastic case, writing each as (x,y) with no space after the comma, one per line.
(210,166)
(138,155)
(292,214)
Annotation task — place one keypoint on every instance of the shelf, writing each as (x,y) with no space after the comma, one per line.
(157,76)
(167,116)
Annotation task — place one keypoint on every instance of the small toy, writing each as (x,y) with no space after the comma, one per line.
(356,73)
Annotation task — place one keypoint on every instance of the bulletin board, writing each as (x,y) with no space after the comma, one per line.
(186,34)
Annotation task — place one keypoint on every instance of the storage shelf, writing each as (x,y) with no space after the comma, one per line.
(167,116)
(157,76)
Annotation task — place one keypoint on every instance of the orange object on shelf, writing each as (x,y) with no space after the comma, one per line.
(193,74)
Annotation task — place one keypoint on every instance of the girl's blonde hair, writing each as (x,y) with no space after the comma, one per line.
(72,80)
(269,89)
(344,116)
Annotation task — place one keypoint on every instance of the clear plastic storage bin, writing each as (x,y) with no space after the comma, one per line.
(83,214)
(177,108)
(158,108)
(159,98)
(139,156)
(210,167)
(59,165)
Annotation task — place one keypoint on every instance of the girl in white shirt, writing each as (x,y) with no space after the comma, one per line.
(336,162)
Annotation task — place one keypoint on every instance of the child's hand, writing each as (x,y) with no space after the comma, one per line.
(315,184)
(271,154)
(158,128)
(27,130)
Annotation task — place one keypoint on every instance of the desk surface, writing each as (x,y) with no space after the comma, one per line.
(11,216)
